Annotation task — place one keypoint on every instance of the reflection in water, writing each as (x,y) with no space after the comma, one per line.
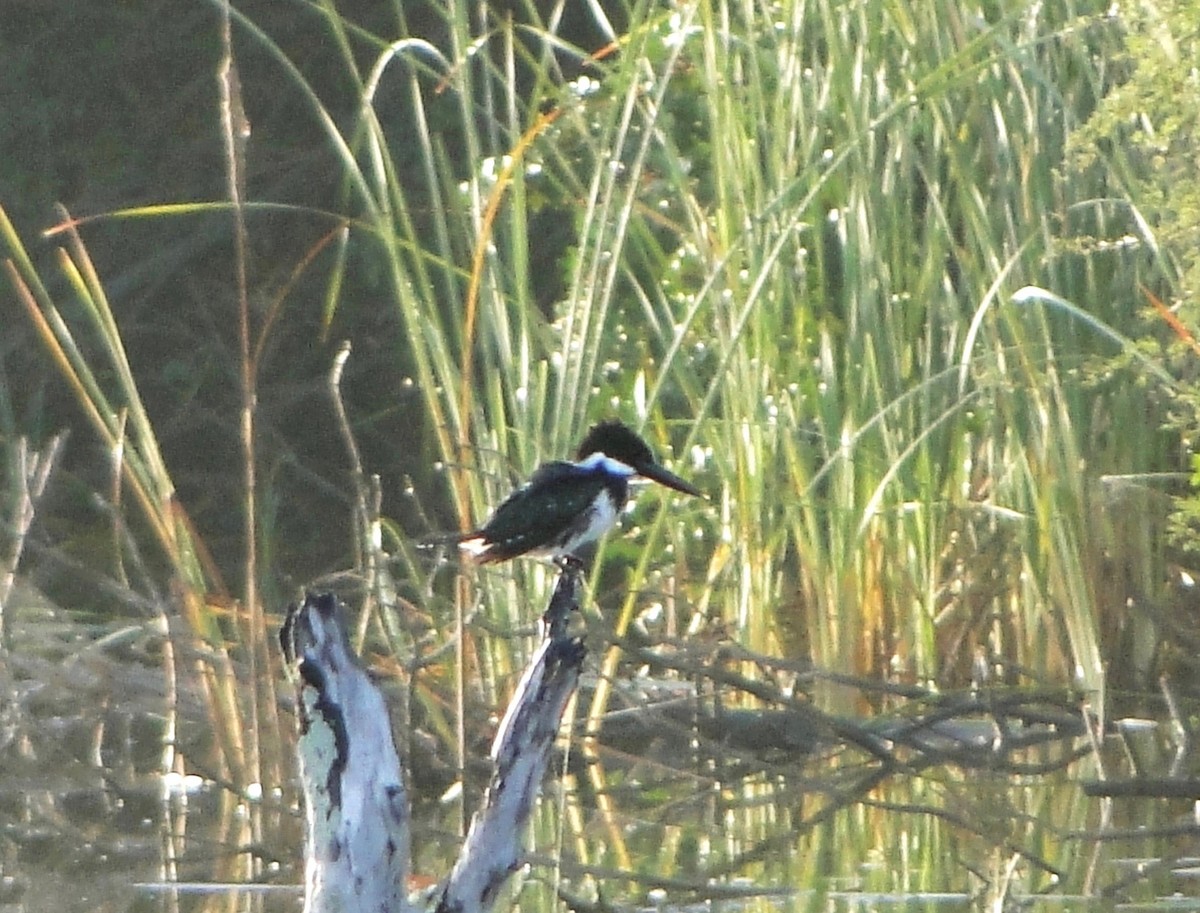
(86,811)
(704,800)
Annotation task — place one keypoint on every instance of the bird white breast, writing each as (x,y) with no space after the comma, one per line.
(601,518)
(598,520)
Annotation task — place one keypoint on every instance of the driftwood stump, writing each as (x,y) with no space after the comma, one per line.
(357,846)
(357,853)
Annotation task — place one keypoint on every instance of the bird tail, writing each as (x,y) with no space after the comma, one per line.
(436,539)
(472,543)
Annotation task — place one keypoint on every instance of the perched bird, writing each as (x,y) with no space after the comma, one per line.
(566,506)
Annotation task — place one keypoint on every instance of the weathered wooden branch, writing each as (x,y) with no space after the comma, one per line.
(357,847)
(520,753)
(357,853)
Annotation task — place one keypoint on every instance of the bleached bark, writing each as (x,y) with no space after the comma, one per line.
(520,753)
(357,855)
(357,850)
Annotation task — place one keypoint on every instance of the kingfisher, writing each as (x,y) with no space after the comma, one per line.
(565,506)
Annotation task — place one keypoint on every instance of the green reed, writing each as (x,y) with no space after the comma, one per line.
(798,230)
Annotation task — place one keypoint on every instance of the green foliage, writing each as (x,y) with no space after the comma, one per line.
(1143,136)
(782,238)
(1144,143)
(796,230)
(870,274)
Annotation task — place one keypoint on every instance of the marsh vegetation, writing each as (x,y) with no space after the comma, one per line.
(906,289)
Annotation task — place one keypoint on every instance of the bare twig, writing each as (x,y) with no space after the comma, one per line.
(31,473)
(235,132)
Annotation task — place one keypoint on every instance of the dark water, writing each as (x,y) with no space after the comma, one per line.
(667,817)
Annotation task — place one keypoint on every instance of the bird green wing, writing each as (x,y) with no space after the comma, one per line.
(555,500)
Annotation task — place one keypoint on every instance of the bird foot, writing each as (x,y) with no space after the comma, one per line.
(570,564)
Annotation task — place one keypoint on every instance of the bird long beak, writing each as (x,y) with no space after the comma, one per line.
(666,477)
